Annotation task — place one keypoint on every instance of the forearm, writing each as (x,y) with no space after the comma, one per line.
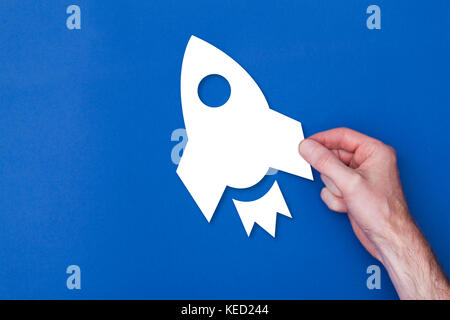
(411,263)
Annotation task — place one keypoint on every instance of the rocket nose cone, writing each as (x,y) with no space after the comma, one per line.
(202,59)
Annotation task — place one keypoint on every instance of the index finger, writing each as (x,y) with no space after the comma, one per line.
(341,138)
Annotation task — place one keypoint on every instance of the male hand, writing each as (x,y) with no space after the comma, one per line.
(361,178)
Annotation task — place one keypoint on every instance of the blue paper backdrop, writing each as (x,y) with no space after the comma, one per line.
(86,115)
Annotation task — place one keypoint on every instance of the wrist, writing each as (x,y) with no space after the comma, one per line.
(399,237)
(395,230)
(410,261)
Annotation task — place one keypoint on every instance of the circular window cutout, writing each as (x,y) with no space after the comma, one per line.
(214,90)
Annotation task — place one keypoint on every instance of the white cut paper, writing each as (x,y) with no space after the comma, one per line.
(234,144)
(263,211)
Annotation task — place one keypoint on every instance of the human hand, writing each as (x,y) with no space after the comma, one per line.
(361,178)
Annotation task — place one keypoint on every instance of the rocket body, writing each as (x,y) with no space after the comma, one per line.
(234,144)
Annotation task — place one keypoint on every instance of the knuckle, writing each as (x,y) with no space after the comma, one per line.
(390,153)
(384,150)
(344,130)
(377,144)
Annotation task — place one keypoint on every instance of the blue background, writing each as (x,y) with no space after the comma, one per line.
(86,116)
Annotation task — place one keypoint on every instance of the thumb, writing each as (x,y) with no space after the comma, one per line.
(326,162)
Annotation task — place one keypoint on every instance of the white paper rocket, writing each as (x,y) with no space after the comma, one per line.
(235,144)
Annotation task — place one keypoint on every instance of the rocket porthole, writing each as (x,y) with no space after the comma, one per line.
(214,90)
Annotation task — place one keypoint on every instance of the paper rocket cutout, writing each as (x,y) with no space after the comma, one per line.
(235,144)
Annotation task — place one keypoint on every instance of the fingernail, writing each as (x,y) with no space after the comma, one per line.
(325,195)
(305,148)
